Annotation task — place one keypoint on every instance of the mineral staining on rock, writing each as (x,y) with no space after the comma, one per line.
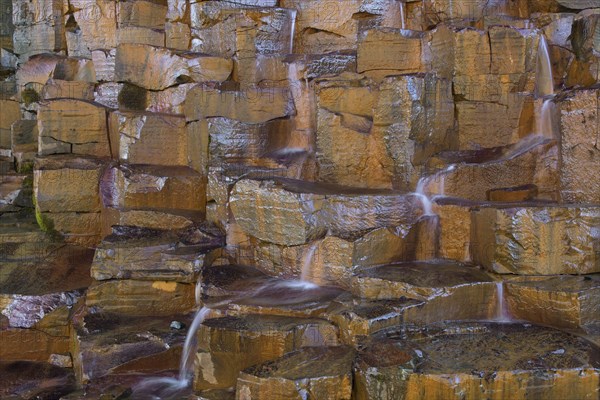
(299,199)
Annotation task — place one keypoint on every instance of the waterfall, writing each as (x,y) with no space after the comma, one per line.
(403,15)
(293,13)
(544,85)
(501,312)
(420,192)
(545,119)
(307,261)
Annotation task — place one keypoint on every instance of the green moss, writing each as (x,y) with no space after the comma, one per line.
(132,97)
(29,96)
(26,167)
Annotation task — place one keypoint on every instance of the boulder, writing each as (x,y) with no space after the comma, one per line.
(536,240)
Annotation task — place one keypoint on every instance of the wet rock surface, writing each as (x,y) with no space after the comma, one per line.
(434,363)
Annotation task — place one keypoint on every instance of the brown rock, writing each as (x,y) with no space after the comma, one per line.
(91,26)
(454,231)
(387,366)
(533,160)
(323,372)
(464,291)
(136,297)
(67,184)
(11,113)
(102,343)
(514,194)
(153,187)
(56,89)
(153,256)
(139,35)
(164,68)
(73,126)
(230,344)
(150,138)
(253,105)
(142,14)
(292,212)
(388,51)
(536,240)
(567,302)
(152,219)
(579,130)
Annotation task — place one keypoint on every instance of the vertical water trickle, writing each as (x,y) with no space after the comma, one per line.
(544,87)
(544,84)
(307,262)
(420,192)
(186,365)
(403,15)
(501,312)
(293,14)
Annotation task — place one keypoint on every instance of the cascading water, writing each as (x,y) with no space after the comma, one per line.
(439,177)
(403,15)
(544,88)
(293,14)
(307,263)
(544,85)
(501,312)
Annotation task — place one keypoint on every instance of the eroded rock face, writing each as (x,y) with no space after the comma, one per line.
(567,302)
(164,68)
(153,255)
(73,126)
(230,344)
(141,297)
(388,367)
(311,209)
(536,240)
(465,291)
(324,371)
(579,127)
(104,343)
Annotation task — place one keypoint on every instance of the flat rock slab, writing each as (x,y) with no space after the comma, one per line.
(230,344)
(34,380)
(500,361)
(324,372)
(291,212)
(107,343)
(248,291)
(536,239)
(146,254)
(454,291)
(567,302)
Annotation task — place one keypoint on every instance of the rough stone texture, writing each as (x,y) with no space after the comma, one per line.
(143,298)
(230,344)
(543,364)
(466,292)
(332,259)
(566,302)
(153,187)
(323,372)
(254,105)
(536,240)
(455,231)
(102,343)
(532,161)
(73,126)
(92,26)
(164,68)
(384,52)
(291,212)
(149,138)
(11,113)
(580,155)
(67,184)
(153,255)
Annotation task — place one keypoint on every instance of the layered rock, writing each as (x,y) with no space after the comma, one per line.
(387,367)
(312,209)
(566,302)
(579,129)
(536,240)
(66,190)
(323,372)
(230,344)
(73,126)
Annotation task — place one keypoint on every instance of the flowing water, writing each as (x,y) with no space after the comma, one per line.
(307,263)
(544,85)
(403,15)
(501,312)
